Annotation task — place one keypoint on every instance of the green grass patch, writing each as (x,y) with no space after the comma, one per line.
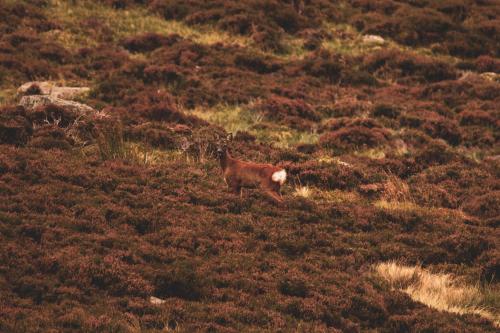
(234,118)
(86,23)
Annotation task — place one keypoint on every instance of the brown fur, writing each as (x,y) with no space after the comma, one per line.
(239,174)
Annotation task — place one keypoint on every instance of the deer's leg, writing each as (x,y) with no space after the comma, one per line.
(276,188)
(273,195)
(234,186)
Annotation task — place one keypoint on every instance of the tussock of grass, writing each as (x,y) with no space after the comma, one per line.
(335,196)
(438,290)
(111,145)
(373,153)
(410,207)
(7,95)
(303,191)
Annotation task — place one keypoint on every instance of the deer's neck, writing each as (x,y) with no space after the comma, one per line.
(225,160)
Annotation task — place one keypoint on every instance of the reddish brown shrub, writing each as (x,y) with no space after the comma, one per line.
(339,123)
(325,65)
(433,195)
(415,26)
(288,110)
(464,248)
(167,74)
(487,64)
(354,137)
(478,118)
(293,287)
(155,134)
(49,137)
(397,64)
(268,39)
(485,206)
(183,280)
(434,153)
(160,106)
(256,63)
(238,24)
(386,110)
(433,124)
(15,128)
(149,41)
(478,136)
(328,176)
(491,265)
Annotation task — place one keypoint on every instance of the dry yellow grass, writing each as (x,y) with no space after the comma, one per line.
(437,290)
(319,195)
(302,191)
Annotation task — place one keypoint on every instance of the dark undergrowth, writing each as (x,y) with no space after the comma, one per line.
(100,212)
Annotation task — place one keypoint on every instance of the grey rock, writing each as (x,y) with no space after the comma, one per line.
(32,101)
(50,88)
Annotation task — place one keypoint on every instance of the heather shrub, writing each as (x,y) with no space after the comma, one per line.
(486,63)
(148,42)
(256,63)
(15,128)
(433,195)
(463,248)
(386,110)
(325,65)
(330,176)
(268,39)
(292,111)
(165,74)
(434,153)
(477,118)
(155,134)
(416,26)
(433,124)
(293,287)
(397,65)
(182,280)
(53,114)
(49,137)
(478,136)
(354,137)
(484,206)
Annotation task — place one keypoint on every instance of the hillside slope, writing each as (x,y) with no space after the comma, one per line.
(390,144)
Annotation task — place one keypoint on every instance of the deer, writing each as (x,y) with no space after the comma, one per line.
(239,174)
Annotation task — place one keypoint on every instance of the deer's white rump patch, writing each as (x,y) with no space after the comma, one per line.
(279,177)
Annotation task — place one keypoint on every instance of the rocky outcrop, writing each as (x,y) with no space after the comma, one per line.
(51,89)
(30,102)
(373,40)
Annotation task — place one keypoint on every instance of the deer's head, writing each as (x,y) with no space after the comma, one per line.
(222,145)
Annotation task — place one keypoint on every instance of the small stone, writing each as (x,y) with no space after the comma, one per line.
(373,39)
(156,300)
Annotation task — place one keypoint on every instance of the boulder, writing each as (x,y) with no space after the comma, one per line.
(42,87)
(30,102)
(156,300)
(51,89)
(373,40)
